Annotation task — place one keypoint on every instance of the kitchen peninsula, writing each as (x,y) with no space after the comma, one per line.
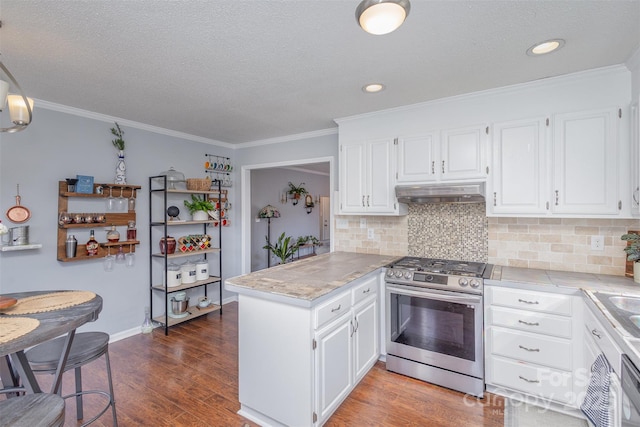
(308,332)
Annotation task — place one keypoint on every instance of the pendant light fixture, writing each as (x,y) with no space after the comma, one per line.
(382,16)
(20,107)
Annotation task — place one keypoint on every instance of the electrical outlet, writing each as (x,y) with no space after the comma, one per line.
(342,223)
(597,243)
(370,234)
(363,222)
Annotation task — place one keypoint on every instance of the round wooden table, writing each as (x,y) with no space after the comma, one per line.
(52,324)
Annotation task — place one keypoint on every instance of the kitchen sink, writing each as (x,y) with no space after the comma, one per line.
(630,304)
(624,309)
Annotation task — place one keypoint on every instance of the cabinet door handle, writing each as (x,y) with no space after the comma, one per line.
(367,201)
(363,200)
(529,381)
(557,197)
(357,325)
(494,198)
(433,167)
(353,328)
(528,302)
(366,291)
(595,333)
(529,323)
(529,349)
(333,310)
(443,166)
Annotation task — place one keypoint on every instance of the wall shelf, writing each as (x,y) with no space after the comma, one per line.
(7,248)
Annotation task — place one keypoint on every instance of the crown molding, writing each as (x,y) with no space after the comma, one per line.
(287,138)
(129,123)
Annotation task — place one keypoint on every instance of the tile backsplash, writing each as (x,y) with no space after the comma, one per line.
(462,231)
(559,244)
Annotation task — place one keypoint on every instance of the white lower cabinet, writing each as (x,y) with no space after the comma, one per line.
(346,348)
(533,342)
(297,364)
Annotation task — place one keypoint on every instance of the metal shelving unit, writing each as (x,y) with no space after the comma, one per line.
(158,189)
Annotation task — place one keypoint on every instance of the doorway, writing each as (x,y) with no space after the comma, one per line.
(249,231)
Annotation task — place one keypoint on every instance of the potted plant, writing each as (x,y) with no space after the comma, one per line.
(303,240)
(633,253)
(295,192)
(121,168)
(199,208)
(283,247)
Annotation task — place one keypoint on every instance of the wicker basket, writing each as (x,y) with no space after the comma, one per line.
(199,184)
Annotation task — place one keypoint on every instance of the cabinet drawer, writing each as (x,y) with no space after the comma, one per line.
(540,323)
(602,340)
(545,382)
(333,309)
(364,290)
(531,300)
(540,349)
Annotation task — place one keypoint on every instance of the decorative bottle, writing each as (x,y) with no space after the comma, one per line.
(113,235)
(92,245)
(131,230)
(121,177)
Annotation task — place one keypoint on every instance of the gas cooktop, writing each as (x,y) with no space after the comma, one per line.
(441,266)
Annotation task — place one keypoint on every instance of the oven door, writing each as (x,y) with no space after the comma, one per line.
(630,380)
(437,328)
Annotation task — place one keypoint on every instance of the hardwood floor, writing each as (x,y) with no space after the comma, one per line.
(190,379)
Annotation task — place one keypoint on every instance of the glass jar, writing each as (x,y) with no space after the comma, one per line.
(131,230)
(113,235)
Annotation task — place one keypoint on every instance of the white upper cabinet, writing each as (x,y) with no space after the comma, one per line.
(566,166)
(585,163)
(635,159)
(463,153)
(449,155)
(367,184)
(417,157)
(518,178)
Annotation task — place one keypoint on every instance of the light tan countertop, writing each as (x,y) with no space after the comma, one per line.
(307,281)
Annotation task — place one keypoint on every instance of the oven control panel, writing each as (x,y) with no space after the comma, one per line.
(433,280)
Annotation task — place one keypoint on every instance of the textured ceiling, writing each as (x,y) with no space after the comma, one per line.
(238,71)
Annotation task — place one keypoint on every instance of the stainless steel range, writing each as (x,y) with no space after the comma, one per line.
(434,321)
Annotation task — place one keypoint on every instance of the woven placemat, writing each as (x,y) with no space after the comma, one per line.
(15,327)
(49,302)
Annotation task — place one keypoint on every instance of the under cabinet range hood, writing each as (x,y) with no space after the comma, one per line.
(441,193)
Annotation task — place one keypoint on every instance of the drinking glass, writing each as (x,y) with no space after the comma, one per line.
(111,202)
(122,202)
(132,201)
(109,261)
(120,255)
(129,259)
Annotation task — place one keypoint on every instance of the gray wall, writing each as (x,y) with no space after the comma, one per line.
(59,145)
(266,187)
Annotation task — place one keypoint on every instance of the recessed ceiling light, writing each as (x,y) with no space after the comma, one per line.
(373,87)
(545,47)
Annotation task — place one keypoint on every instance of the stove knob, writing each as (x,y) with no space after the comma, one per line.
(463,282)
(398,273)
(474,283)
(390,273)
(407,275)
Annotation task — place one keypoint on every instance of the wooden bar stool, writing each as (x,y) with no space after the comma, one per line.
(85,348)
(32,410)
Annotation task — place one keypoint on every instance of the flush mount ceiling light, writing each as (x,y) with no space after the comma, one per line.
(373,88)
(382,16)
(547,46)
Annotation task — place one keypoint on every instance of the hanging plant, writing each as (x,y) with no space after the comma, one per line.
(296,191)
(119,133)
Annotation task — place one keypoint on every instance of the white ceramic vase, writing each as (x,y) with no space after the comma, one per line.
(636,271)
(121,177)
